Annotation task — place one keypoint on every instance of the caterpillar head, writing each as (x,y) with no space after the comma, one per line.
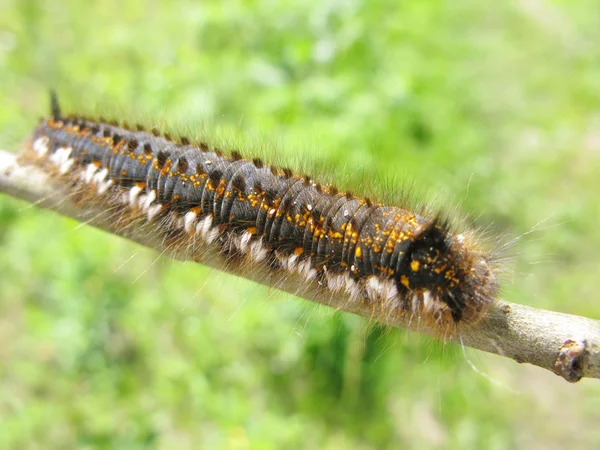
(446,277)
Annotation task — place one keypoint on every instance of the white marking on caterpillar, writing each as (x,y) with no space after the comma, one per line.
(352,287)
(40,145)
(90,170)
(384,289)
(153,210)
(61,155)
(293,262)
(428,301)
(189,222)
(150,197)
(311,274)
(141,201)
(336,283)
(203,226)
(305,267)
(61,159)
(234,242)
(258,252)
(212,235)
(134,193)
(103,186)
(65,166)
(283,260)
(416,304)
(100,176)
(244,241)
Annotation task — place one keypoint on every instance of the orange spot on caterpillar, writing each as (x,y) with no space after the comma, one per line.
(404,281)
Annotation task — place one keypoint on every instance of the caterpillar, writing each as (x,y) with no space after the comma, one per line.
(200,198)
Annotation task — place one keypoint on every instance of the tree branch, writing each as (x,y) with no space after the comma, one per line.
(565,344)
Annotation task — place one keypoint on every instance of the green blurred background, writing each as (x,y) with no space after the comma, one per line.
(494,104)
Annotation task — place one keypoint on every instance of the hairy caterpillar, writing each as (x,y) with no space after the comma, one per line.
(196,197)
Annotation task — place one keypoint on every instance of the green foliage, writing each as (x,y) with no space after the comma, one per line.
(105,346)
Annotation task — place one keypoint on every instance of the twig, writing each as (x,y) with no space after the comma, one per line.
(565,344)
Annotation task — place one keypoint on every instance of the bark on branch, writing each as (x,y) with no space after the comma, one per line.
(565,344)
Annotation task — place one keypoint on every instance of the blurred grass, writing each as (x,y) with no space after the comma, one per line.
(498,105)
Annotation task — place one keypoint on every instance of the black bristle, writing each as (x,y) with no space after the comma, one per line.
(182,164)
(54,106)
